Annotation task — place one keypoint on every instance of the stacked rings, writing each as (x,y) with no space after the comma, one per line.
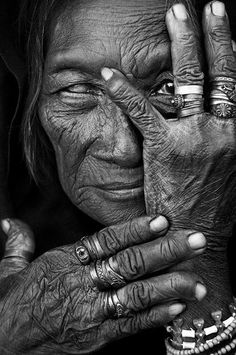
(223,97)
(103,274)
(188,100)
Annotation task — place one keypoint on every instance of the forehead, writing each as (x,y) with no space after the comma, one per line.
(129,35)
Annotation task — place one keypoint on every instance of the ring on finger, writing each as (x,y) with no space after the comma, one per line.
(189,89)
(88,249)
(14,253)
(223,97)
(113,307)
(105,277)
(188,104)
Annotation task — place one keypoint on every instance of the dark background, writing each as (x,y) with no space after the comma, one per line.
(46,209)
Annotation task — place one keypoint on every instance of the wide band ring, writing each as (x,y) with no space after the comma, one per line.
(188,105)
(113,307)
(89,249)
(17,253)
(105,277)
(189,89)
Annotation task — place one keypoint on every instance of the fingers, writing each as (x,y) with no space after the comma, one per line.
(219,49)
(144,294)
(110,240)
(161,253)
(154,317)
(234,46)
(185,48)
(133,103)
(19,247)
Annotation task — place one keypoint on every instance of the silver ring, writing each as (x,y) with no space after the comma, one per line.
(14,253)
(223,109)
(188,105)
(105,277)
(89,249)
(223,97)
(82,253)
(114,308)
(189,89)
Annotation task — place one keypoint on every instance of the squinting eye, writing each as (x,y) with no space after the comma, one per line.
(80,96)
(166,88)
(82,89)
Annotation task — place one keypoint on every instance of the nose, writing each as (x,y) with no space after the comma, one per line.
(120,142)
(127,144)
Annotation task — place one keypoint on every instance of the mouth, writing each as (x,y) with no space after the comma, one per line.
(126,192)
(125,185)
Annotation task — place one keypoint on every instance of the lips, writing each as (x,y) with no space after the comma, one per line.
(113,182)
(121,187)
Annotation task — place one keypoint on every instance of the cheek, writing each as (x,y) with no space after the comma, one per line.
(74,137)
(81,144)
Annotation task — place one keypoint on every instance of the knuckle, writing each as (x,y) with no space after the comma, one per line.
(182,284)
(140,296)
(135,230)
(137,106)
(171,250)
(218,33)
(187,37)
(131,263)
(132,102)
(188,70)
(108,239)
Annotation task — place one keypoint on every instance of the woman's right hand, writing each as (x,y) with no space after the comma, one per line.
(54,306)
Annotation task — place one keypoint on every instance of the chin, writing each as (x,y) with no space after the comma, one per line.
(109,208)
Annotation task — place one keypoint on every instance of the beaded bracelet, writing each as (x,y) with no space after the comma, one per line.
(199,343)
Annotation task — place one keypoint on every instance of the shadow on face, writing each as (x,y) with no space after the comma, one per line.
(98,151)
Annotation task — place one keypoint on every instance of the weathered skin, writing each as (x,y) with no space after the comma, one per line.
(190,164)
(97,148)
(53,306)
(92,128)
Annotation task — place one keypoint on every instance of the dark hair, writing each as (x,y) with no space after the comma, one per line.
(35,20)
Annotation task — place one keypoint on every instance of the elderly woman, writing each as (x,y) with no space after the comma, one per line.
(116,104)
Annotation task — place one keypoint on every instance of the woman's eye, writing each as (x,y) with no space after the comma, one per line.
(81,96)
(166,88)
(81,89)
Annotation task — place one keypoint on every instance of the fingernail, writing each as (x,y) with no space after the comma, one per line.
(5,225)
(218,8)
(200,292)
(158,224)
(208,9)
(176,309)
(180,11)
(234,46)
(197,241)
(106,73)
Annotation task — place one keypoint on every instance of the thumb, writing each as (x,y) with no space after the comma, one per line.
(19,247)
(143,115)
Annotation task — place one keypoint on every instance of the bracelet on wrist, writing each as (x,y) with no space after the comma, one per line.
(217,339)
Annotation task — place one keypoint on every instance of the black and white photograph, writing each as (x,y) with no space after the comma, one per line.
(117,177)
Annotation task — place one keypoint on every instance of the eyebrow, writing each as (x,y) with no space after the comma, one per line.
(72,60)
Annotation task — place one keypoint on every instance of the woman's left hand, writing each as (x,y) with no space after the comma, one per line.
(190,162)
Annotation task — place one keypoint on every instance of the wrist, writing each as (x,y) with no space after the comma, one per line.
(212,268)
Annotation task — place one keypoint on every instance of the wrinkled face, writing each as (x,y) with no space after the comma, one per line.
(98,150)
